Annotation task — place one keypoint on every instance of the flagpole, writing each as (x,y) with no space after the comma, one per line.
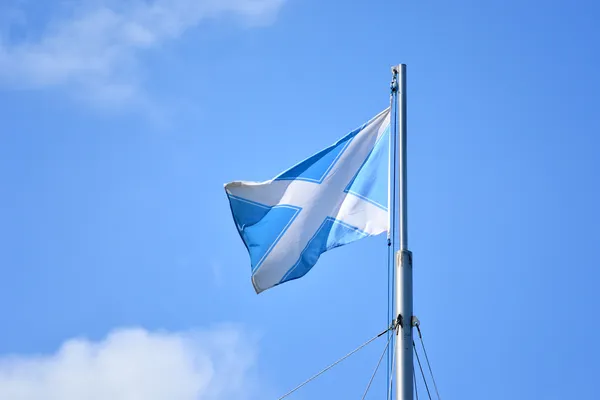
(403,303)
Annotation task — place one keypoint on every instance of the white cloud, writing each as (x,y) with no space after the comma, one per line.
(96,49)
(135,364)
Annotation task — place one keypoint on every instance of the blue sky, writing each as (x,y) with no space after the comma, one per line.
(121,121)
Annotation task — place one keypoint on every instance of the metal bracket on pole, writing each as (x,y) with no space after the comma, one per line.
(417,324)
(399,322)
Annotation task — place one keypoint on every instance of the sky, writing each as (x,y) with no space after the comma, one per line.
(122,275)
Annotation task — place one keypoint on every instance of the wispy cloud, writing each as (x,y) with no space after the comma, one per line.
(137,364)
(96,50)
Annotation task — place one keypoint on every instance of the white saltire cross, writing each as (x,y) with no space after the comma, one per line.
(317,202)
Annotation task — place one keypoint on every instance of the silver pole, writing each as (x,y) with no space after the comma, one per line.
(403,282)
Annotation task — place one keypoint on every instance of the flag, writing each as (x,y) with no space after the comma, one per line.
(332,198)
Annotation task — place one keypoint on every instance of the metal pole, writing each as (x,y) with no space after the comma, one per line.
(403,282)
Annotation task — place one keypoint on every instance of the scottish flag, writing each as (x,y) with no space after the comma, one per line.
(335,197)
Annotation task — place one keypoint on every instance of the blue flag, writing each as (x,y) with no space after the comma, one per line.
(335,197)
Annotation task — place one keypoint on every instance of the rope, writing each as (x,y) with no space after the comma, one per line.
(335,363)
(390,334)
(394,198)
(428,364)
(416,388)
(393,362)
(421,368)
(376,368)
